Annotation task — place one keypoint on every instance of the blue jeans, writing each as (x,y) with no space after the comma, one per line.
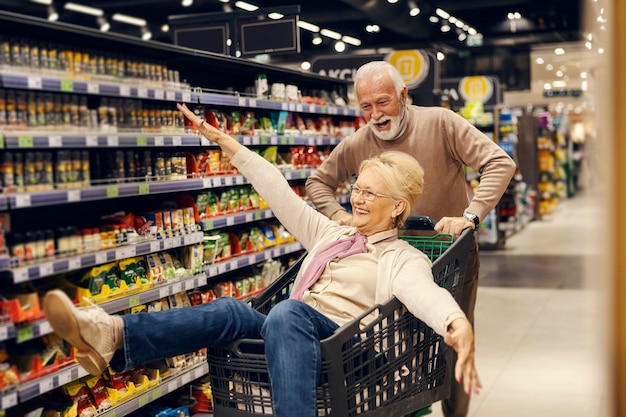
(292,332)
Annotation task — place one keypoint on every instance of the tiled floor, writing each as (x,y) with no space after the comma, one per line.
(539,320)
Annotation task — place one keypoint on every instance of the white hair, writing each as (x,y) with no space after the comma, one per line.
(375,67)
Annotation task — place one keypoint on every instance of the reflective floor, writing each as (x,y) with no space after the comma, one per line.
(539,319)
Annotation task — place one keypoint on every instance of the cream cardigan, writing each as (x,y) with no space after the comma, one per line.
(402,270)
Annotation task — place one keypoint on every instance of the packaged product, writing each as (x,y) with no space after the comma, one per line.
(134,272)
(79,393)
(99,392)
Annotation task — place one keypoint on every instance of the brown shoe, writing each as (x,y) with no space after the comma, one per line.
(94,333)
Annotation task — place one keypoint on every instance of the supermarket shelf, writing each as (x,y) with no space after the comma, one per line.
(168,386)
(32,389)
(235,219)
(57,266)
(251,102)
(4,202)
(288,140)
(252,259)
(5,262)
(39,328)
(74,86)
(25,140)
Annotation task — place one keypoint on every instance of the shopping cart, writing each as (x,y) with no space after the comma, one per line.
(393,367)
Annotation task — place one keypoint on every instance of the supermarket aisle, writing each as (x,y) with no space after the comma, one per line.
(538,317)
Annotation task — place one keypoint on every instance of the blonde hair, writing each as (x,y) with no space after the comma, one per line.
(402,174)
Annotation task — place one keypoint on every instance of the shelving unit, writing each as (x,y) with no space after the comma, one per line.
(226,73)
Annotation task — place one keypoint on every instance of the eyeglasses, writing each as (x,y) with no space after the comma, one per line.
(368,195)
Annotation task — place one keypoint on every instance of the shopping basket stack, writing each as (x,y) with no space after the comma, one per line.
(394,366)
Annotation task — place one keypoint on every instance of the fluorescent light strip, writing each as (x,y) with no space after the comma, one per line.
(330,34)
(442,13)
(246,6)
(352,41)
(83,9)
(308,26)
(118,17)
(46,2)
(275,15)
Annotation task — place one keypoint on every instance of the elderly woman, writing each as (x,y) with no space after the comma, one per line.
(348,269)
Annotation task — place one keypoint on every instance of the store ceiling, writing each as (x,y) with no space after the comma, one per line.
(545,21)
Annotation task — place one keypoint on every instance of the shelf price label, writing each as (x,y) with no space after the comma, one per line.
(144,189)
(142,92)
(25,141)
(142,400)
(93,88)
(9,400)
(1,141)
(124,90)
(25,333)
(134,301)
(159,94)
(55,141)
(22,200)
(142,141)
(113,191)
(159,141)
(67,86)
(34,82)
(156,393)
(73,195)
(91,140)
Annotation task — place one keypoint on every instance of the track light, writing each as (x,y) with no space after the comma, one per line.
(118,17)
(53,16)
(93,11)
(146,35)
(103,24)
(340,46)
(413,9)
(317,40)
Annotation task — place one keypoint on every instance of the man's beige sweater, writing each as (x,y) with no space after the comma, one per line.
(443,143)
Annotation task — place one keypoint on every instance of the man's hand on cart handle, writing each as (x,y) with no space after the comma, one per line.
(461,337)
(453,225)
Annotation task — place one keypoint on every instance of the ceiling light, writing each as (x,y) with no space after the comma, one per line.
(559,51)
(442,13)
(584,85)
(413,9)
(186,3)
(275,15)
(472,31)
(53,16)
(330,34)
(103,24)
(549,67)
(305,65)
(46,2)
(583,74)
(588,45)
(559,73)
(462,36)
(600,50)
(539,60)
(246,6)
(317,40)
(433,19)
(118,17)
(547,86)
(165,28)
(224,1)
(372,28)
(559,84)
(83,9)
(392,1)
(352,41)
(340,46)
(308,26)
(441,56)
(445,28)
(146,35)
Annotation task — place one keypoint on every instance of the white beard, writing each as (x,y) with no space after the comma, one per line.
(395,129)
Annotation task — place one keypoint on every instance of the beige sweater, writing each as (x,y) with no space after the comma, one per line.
(400,270)
(443,143)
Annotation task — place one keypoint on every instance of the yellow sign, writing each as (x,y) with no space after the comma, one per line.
(412,65)
(476,88)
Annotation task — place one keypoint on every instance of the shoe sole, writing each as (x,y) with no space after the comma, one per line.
(59,312)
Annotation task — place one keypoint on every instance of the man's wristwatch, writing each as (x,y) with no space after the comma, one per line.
(472,218)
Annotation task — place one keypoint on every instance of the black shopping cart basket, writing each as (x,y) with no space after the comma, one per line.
(394,366)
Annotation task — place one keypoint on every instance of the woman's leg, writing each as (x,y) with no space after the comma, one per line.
(152,336)
(134,339)
(292,333)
